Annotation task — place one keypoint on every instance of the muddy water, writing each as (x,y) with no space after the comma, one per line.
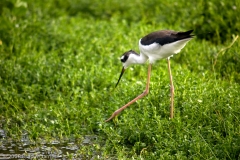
(54,149)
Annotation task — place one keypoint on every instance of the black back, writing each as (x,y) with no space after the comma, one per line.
(165,37)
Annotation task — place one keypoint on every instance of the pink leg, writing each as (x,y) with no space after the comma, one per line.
(171,90)
(135,99)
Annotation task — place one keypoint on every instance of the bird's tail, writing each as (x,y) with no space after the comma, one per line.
(185,35)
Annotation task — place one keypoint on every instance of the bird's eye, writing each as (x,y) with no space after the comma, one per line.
(124,58)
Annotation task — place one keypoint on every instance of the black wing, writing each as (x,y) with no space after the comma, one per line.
(165,37)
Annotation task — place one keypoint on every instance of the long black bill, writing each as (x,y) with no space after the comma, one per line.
(120,76)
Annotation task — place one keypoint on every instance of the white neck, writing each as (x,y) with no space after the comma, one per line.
(135,59)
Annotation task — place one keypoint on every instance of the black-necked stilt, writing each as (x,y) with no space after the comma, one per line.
(154,46)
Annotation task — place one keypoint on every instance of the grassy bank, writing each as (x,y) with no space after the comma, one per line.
(59,64)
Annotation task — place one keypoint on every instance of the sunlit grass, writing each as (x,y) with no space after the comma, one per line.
(57,79)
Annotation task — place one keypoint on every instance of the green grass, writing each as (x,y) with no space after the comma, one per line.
(59,64)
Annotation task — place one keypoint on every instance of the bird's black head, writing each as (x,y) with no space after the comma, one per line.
(125,56)
(126,62)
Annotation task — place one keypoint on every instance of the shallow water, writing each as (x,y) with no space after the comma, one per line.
(55,149)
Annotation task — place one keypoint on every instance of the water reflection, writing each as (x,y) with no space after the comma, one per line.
(55,149)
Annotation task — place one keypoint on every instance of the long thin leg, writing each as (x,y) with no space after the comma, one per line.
(135,99)
(171,90)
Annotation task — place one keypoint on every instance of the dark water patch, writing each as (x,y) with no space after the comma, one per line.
(2,134)
(43,149)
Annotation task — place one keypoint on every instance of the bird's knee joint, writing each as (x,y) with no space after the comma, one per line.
(146,92)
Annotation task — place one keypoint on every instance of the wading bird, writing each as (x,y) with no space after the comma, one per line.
(154,46)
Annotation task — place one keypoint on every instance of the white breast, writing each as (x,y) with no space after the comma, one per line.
(156,52)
